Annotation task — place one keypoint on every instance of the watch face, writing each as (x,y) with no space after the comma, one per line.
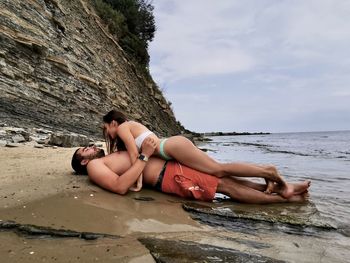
(143,157)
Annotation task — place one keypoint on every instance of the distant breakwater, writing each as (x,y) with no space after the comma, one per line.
(233,133)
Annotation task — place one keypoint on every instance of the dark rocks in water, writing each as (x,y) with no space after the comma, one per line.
(186,251)
(246,217)
(48,232)
(144,198)
(233,133)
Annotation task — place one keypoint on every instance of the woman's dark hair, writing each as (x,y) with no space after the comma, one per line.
(116,143)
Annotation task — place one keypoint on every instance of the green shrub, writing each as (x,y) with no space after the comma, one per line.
(132,22)
(114,19)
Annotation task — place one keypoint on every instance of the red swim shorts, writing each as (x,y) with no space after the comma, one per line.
(189,183)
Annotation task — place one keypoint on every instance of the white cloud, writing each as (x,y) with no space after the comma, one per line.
(268,63)
(192,41)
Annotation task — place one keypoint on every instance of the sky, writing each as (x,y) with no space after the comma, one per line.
(256,65)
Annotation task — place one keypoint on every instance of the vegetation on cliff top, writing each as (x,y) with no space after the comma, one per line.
(132,22)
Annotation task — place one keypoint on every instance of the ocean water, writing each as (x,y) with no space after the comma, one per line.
(322,157)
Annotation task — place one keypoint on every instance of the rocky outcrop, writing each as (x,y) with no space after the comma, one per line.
(62,70)
(164,250)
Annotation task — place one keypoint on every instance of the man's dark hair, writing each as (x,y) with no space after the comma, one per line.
(77,158)
(76,163)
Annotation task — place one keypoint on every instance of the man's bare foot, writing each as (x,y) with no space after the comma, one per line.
(300,188)
(299,198)
(290,189)
(287,190)
(270,186)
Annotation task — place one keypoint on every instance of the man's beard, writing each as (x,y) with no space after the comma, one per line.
(98,154)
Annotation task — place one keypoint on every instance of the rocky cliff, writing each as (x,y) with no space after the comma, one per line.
(61,69)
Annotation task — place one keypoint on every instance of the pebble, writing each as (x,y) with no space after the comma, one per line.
(91,195)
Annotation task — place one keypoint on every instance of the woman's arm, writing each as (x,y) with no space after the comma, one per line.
(124,133)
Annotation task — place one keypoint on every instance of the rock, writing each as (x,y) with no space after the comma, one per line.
(42,141)
(144,198)
(38,146)
(33,231)
(3,143)
(43,131)
(186,251)
(12,145)
(250,217)
(14,130)
(26,135)
(18,138)
(68,140)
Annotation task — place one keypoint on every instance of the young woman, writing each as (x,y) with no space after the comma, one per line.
(124,134)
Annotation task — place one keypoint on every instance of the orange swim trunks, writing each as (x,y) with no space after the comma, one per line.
(189,183)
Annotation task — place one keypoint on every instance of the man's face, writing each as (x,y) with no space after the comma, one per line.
(91,152)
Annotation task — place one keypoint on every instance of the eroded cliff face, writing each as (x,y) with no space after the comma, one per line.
(61,69)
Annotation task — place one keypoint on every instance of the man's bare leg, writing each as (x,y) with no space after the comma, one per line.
(246,194)
(268,172)
(298,188)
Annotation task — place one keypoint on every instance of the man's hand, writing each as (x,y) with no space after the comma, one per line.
(148,146)
(137,185)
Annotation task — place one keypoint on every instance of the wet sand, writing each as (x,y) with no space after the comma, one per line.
(37,187)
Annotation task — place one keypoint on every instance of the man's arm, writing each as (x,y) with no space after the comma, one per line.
(106,178)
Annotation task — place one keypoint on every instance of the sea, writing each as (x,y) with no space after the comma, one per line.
(322,157)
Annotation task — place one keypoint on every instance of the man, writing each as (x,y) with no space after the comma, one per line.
(115,173)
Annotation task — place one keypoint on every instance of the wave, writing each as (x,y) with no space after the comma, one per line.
(266,147)
(320,153)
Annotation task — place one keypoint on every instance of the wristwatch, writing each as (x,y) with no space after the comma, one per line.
(143,157)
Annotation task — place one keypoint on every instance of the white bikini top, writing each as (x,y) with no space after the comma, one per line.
(139,139)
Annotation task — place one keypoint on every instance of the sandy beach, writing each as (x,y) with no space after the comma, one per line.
(38,189)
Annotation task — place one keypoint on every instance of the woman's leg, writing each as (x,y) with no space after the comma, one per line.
(246,194)
(185,152)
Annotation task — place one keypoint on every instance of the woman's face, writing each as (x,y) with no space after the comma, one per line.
(111,129)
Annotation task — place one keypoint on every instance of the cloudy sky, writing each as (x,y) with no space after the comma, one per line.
(256,65)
